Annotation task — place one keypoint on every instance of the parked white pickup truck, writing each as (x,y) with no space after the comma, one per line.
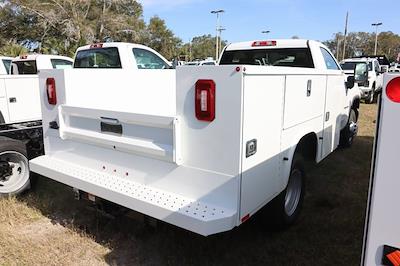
(5,63)
(20,118)
(375,77)
(202,149)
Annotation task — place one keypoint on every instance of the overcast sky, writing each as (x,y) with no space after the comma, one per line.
(245,19)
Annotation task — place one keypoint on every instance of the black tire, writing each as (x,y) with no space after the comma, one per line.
(348,133)
(283,215)
(18,150)
(371,96)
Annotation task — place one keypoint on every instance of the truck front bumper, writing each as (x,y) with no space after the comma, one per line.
(193,214)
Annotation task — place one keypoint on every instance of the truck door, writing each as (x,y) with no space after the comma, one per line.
(336,105)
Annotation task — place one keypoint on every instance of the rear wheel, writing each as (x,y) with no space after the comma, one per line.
(14,167)
(348,134)
(371,96)
(287,205)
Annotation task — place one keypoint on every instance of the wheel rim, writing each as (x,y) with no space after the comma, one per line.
(293,192)
(20,172)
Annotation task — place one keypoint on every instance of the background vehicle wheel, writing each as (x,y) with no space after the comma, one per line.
(14,167)
(287,205)
(371,96)
(348,134)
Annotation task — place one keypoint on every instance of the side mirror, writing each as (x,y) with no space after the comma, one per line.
(350,82)
(361,73)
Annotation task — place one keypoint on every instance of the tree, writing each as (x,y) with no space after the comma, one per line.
(362,43)
(161,39)
(201,47)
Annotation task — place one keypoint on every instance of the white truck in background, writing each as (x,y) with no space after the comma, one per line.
(20,118)
(382,233)
(373,85)
(205,149)
(5,63)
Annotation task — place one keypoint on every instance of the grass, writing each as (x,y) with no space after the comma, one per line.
(47,226)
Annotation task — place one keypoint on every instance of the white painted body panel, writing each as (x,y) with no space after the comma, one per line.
(208,164)
(25,90)
(383,215)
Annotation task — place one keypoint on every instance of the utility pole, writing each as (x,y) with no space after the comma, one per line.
(217,12)
(345,35)
(220,29)
(265,32)
(376,25)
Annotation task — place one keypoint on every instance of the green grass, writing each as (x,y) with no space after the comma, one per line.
(329,231)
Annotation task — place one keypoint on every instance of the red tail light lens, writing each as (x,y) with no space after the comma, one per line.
(393,90)
(51,91)
(205,100)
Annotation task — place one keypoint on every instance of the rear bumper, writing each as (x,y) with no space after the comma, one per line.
(193,214)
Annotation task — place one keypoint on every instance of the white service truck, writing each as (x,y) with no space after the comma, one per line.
(373,85)
(20,118)
(382,232)
(202,149)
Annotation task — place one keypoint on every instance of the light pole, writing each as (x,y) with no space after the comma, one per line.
(265,32)
(220,29)
(217,12)
(376,25)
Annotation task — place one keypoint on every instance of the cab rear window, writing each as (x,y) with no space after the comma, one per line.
(24,67)
(61,63)
(288,57)
(7,64)
(98,58)
(351,65)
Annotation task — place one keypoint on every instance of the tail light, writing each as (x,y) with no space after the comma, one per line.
(393,90)
(51,91)
(263,43)
(205,100)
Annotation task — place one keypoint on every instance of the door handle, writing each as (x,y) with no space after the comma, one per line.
(13,100)
(309,83)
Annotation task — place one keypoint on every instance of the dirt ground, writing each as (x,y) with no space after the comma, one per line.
(47,226)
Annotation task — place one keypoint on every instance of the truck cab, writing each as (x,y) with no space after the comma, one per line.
(32,64)
(375,77)
(117,55)
(5,63)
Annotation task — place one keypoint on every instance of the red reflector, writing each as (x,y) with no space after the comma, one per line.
(96,45)
(263,43)
(245,218)
(205,100)
(23,57)
(51,91)
(393,90)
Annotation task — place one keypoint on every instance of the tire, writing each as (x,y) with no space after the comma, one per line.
(287,205)
(14,152)
(371,96)
(348,134)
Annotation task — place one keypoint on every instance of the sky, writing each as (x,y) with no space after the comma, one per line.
(244,20)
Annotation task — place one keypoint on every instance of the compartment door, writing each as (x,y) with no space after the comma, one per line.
(262,126)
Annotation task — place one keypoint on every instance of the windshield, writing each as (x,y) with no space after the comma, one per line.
(24,67)
(289,57)
(7,64)
(98,58)
(351,65)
